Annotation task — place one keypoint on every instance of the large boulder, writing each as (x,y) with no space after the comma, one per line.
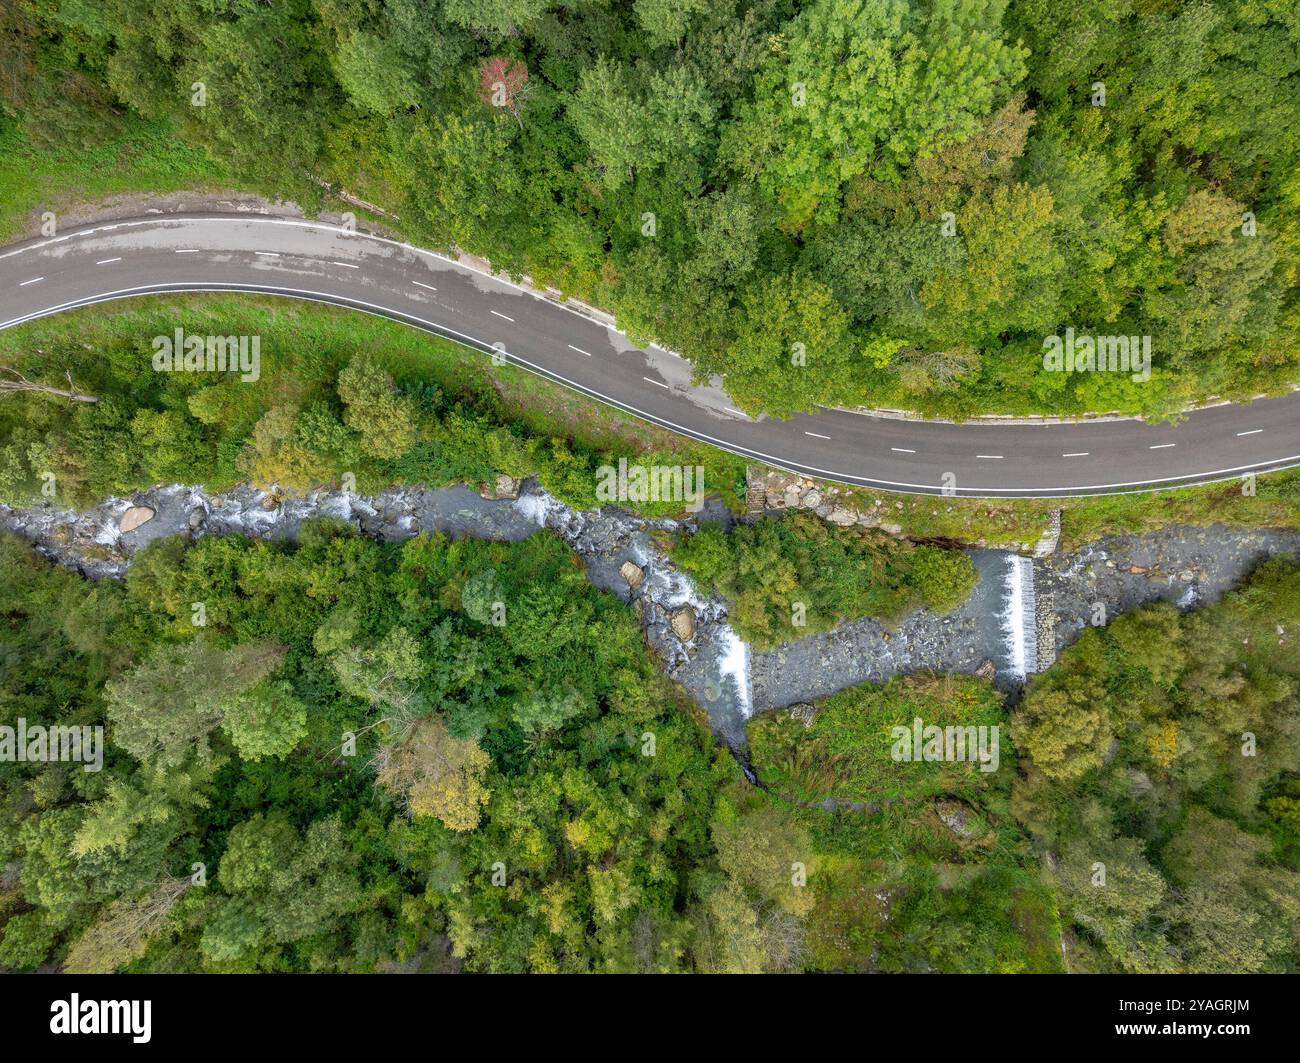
(503,487)
(683,623)
(961,819)
(134,517)
(632,573)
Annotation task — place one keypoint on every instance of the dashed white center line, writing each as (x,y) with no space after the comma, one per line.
(106,261)
(816,435)
(902,450)
(34,280)
(1252,432)
(187,251)
(579,350)
(659,382)
(1162,446)
(991,457)
(1076,454)
(499,314)
(347,265)
(423,285)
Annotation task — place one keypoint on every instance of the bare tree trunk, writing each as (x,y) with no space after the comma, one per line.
(21,383)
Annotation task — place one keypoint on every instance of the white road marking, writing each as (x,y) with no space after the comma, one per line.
(347,265)
(579,350)
(902,450)
(1162,446)
(659,382)
(737,412)
(1252,432)
(816,435)
(499,314)
(188,251)
(991,457)
(1076,454)
(268,254)
(23,284)
(106,261)
(423,285)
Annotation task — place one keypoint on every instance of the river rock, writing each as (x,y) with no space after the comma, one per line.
(134,517)
(632,573)
(683,623)
(504,487)
(958,817)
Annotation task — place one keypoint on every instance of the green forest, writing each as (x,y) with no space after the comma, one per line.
(350,766)
(1161,755)
(846,202)
(339,755)
(789,578)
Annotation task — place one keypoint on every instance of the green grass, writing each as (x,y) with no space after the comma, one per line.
(846,752)
(1008,522)
(146,158)
(895,888)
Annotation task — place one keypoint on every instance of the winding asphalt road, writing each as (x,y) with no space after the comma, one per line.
(316,261)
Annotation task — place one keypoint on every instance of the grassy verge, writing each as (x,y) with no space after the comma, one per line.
(146,157)
(1006,522)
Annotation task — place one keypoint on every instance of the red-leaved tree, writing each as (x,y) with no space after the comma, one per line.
(503,82)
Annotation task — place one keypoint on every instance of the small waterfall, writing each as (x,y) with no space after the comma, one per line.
(734,665)
(1019,619)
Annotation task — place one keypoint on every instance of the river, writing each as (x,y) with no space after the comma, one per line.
(1019,616)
